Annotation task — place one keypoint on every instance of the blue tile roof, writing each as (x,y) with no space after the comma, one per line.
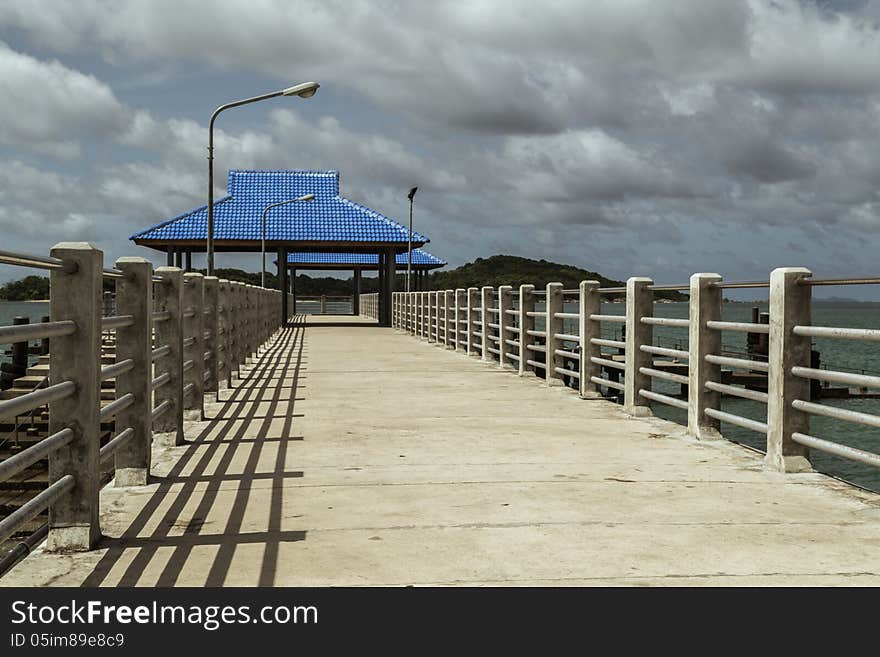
(420,258)
(329,218)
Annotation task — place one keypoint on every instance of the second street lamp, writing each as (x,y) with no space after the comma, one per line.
(304,90)
(305,197)
(410,196)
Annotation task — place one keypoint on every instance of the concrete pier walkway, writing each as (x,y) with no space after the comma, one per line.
(353,455)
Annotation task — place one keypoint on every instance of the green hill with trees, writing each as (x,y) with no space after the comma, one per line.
(513,270)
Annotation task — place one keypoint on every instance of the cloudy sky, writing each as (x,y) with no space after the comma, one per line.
(633,137)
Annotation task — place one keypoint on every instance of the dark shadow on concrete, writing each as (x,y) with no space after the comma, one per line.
(259,385)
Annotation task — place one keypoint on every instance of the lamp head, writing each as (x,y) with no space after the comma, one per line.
(305,197)
(303,90)
(412,193)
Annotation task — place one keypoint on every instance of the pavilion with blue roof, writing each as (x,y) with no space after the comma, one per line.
(330,224)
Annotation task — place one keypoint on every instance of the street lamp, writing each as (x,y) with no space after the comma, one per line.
(304,90)
(305,197)
(410,196)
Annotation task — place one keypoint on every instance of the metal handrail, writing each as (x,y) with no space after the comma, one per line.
(738,420)
(809,280)
(666,321)
(738,363)
(599,381)
(607,363)
(663,399)
(602,342)
(844,414)
(872,335)
(117,405)
(736,391)
(114,370)
(115,443)
(159,410)
(32,400)
(837,449)
(37,262)
(667,376)
(741,285)
(37,452)
(615,319)
(117,321)
(663,351)
(739,327)
(41,331)
(35,506)
(860,380)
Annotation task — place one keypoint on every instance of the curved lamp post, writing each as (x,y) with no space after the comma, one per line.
(304,90)
(305,197)
(410,196)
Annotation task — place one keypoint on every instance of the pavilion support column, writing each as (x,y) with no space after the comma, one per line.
(356,298)
(178,258)
(390,261)
(169,256)
(282,284)
(189,261)
(293,291)
(379,313)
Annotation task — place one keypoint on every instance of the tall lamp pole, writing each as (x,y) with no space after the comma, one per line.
(410,196)
(305,197)
(304,90)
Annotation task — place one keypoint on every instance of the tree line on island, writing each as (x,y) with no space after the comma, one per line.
(494,271)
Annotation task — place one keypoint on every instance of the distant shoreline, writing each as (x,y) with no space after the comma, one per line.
(26,301)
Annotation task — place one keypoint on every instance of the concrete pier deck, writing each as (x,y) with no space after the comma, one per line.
(355,455)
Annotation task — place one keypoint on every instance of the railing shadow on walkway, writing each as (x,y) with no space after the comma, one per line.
(263,383)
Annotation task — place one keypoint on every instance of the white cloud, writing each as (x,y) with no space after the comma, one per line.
(48,107)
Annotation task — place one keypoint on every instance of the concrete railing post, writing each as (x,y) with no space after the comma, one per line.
(473,296)
(504,323)
(223,343)
(169,298)
(193,345)
(420,319)
(553,304)
(460,317)
(249,341)
(414,306)
(789,307)
(526,324)
(487,302)
(443,295)
(134,296)
(426,314)
(705,306)
(431,300)
(73,518)
(639,303)
(233,324)
(589,304)
(210,324)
